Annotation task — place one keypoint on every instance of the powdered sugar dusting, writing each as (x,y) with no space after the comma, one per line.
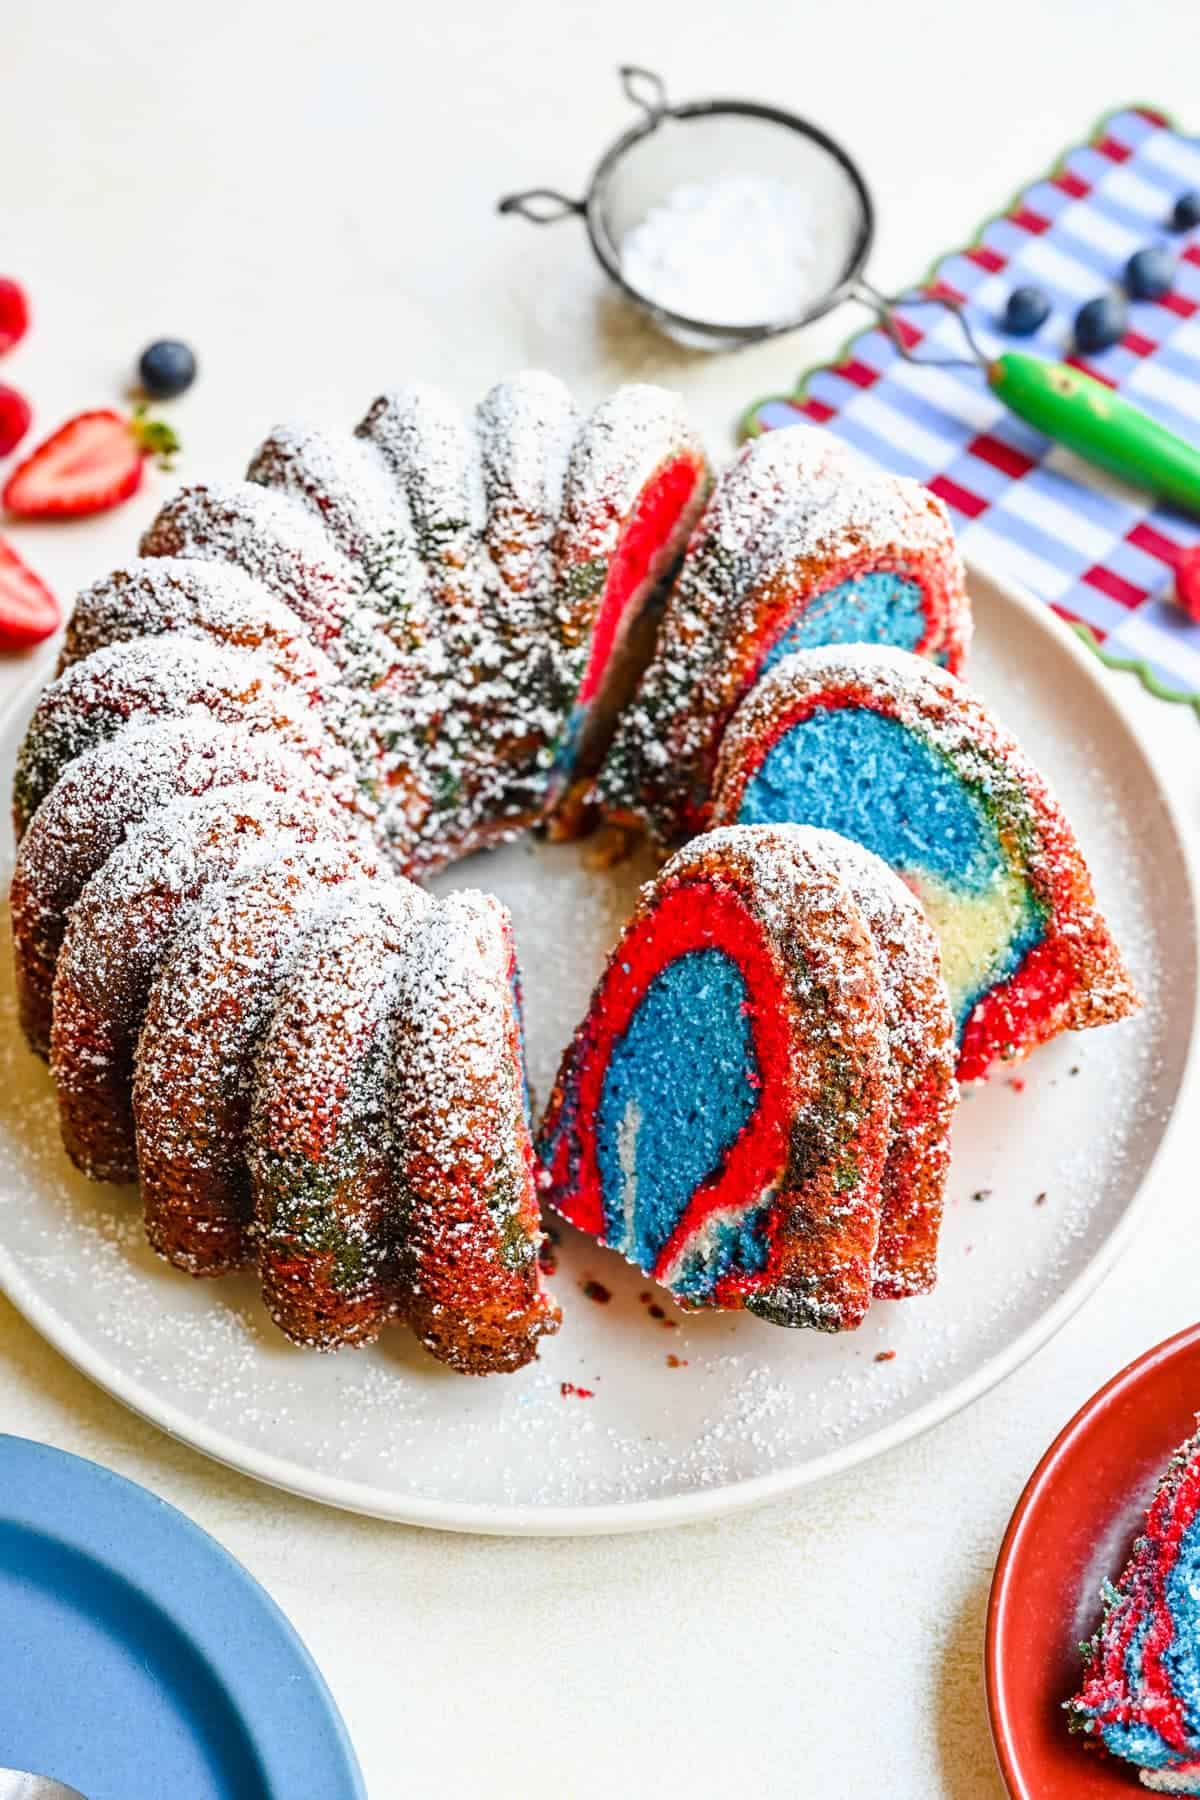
(104,793)
(172,677)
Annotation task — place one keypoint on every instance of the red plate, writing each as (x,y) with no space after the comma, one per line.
(1073,1528)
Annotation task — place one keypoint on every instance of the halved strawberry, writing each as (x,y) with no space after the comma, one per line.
(14,314)
(90,464)
(15,415)
(28,610)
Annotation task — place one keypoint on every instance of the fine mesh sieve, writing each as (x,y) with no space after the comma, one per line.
(701,141)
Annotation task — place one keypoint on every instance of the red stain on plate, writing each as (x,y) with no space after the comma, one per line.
(1073,1528)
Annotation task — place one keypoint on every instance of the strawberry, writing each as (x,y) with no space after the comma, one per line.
(1187,582)
(14,314)
(14,418)
(28,610)
(90,464)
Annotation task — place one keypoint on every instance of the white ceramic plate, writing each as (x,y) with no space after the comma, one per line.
(629,1420)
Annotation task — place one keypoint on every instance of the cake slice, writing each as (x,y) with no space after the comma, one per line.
(635,484)
(920,1031)
(899,755)
(1140,1698)
(470,1279)
(723,1114)
(801,543)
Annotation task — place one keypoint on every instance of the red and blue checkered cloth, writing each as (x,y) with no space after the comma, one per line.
(1094,549)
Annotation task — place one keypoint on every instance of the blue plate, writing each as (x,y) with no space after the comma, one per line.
(139,1660)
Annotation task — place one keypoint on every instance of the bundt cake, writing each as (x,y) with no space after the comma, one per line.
(1140,1699)
(764,1075)
(388,647)
(801,543)
(899,755)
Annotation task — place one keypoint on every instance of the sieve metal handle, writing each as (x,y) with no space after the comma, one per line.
(884,307)
(541,206)
(546,206)
(646,90)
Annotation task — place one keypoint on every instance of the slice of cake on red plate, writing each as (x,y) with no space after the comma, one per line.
(1140,1698)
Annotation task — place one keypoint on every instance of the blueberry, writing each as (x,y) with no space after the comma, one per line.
(1027,308)
(1149,273)
(1101,322)
(166,368)
(1185,214)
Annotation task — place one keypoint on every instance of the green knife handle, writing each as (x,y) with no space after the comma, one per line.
(1082,413)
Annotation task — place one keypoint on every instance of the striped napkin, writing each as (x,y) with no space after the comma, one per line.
(1094,549)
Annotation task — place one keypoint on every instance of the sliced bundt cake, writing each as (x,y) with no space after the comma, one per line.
(801,543)
(1140,1699)
(385,645)
(902,757)
(389,647)
(730,1113)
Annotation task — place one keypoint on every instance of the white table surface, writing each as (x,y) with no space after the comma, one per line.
(306,192)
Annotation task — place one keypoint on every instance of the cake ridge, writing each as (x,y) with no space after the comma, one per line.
(204,1020)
